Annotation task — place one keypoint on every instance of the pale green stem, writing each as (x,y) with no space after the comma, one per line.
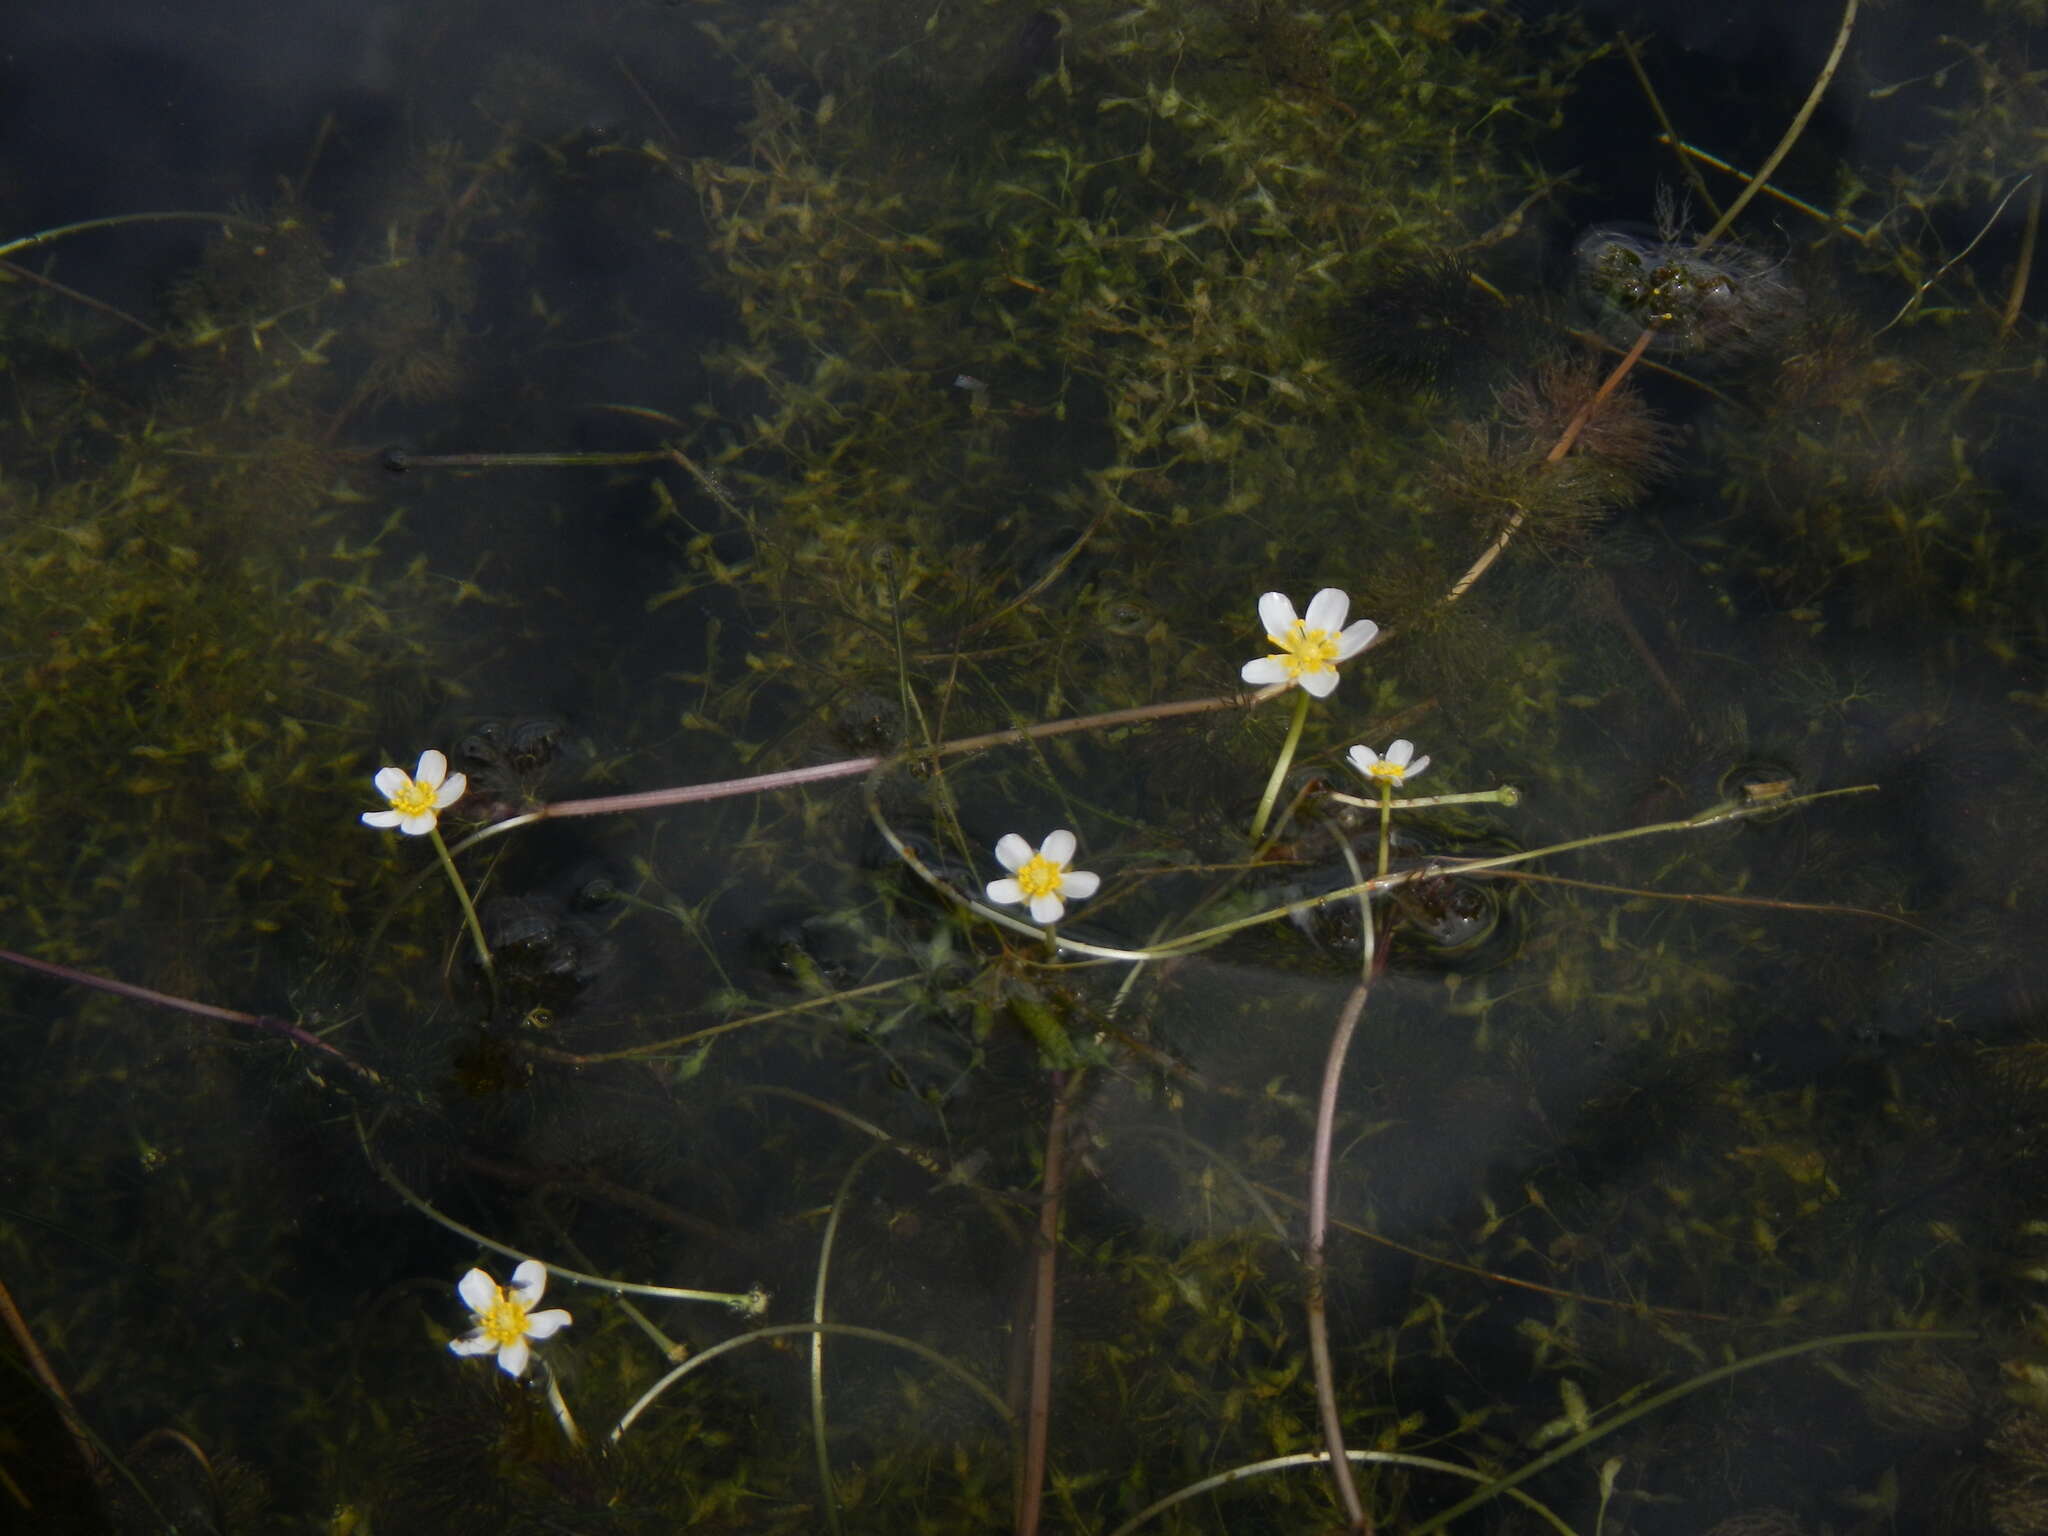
(752,1304)
(819,1447)
(1317,1458)
(476,929)
(1281,764)
(1727,810)
(560,1405)
(1507,794)
(1629,1415)
(1713,816)
(1386,821)
(783,1330)
(116,220)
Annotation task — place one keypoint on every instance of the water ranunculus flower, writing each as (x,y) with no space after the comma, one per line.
(504,1316)
(417,799)
(1308,648)
(1397,767)
(1040,877)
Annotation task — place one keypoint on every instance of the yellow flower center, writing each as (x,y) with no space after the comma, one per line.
(416,799)
(1304,650)
(504,1321)
(1040,877)
(1386,770)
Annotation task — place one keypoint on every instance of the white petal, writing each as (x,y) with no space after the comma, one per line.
(1276,613)
(432,770)
(1267,669)
(529,1280)
(479,1292)
(1058,847)
(1005,893)
(419,824)
(1417,766)
(1013,852)
(381,818)
(1319,684)
(1078,884)
(1399,753)
(545,1325)
(1047,909)
(1355,638)
(392,782)
(451,791)
(1326,610)
(513,1357)
(474,1343)
(1362,758)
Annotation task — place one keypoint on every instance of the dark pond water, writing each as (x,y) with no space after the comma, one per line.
(891,417)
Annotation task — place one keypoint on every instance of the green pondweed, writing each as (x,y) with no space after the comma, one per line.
(1025,385)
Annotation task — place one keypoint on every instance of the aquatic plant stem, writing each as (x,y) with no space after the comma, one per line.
(1314,1260)
(560,1404)
(1585,413)
(2023,267)
(820,1451)
(704,1357)
(115,221)
(1315,1458)
(1791,135)
(1507,794)
(1386,821)
(298,1034)
(40,1367)
(1558,450)
(1202,938)
(854,767)
(1670,134)
(1651,1404)
(1045,1266)
(1281,764)
(750,1304)
(476,928)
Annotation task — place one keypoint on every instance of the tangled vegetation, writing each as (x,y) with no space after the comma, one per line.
(952,402)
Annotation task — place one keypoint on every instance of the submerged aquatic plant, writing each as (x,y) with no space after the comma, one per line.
(1124,256)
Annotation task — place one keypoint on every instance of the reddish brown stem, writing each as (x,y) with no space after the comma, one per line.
(296,1033)
(39,1363)
(1360,1522)
(1558,450)
(1038,1419)
(854,767)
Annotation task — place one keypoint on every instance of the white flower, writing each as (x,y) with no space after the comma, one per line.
(417,800)
(1308,648)
(1397,767)
(505,1319)
(1041,876)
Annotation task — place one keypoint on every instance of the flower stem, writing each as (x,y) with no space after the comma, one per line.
(1386,821)
(560,1405)
(476,929)
(1281,764)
